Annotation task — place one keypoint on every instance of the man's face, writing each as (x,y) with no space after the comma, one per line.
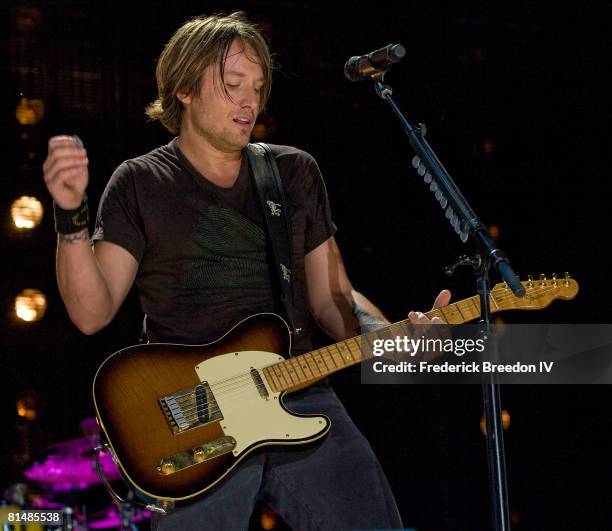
(226,122)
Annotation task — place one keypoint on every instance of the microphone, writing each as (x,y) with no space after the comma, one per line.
(360,67)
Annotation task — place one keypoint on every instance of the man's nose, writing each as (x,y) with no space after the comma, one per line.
(250,98)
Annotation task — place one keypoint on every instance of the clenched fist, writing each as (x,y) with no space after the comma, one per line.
(65,171)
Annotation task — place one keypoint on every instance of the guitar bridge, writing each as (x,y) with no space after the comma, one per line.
(190,408)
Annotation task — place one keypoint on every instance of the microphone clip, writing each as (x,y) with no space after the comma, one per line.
(382,90)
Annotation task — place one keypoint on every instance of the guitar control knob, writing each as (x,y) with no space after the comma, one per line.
(199,454)
(167,467)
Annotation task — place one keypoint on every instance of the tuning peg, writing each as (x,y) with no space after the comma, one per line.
(567,278)
(530,281)
(416,161)
(554,279)
(542,279)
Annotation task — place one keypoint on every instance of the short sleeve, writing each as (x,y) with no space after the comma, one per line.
(319,224)
(119,220)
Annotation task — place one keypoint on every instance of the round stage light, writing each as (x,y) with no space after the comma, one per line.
(30,111)
(30,305)
(26,212)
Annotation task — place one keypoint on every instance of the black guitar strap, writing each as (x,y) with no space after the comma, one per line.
(276,215)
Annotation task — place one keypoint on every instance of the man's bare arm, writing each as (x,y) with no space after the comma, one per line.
(92,284)
(340,310)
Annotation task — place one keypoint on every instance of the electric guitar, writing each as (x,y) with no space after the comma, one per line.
(178,418)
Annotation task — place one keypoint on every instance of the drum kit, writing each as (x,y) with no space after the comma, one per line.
(64,478)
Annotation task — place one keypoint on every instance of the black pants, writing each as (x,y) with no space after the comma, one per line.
(334,484)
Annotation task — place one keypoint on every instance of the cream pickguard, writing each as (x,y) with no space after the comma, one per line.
(250,418)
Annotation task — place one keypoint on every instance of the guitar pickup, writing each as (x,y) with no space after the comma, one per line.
(261,388)
(190,408)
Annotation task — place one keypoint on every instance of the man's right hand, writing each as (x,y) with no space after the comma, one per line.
(65,171)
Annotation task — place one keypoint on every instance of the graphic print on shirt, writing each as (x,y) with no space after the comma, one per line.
(228,270)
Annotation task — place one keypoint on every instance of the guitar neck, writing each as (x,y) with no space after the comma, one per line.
(305,369)
(301,371)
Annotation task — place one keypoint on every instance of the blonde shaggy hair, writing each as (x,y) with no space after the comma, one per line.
(196,45)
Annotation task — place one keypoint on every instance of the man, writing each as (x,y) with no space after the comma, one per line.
(184,222)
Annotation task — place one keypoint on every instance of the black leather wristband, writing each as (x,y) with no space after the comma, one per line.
(71,221)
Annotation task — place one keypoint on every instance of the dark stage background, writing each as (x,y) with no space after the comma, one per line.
(513,94)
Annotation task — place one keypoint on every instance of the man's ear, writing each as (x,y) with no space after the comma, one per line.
(183,97)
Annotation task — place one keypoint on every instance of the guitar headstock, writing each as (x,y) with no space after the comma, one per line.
(538,293)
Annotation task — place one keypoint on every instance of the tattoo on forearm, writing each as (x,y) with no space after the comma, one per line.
(74,237)
(367,322)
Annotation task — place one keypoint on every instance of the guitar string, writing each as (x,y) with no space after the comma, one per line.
(228,391)
(239,380)
(232,388)
(501,298)
(238,399)
(238,384)
(211,406)
(230,382)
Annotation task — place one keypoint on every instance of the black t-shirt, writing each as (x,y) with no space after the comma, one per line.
(203,260)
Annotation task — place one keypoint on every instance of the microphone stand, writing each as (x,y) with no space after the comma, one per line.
(467,225)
